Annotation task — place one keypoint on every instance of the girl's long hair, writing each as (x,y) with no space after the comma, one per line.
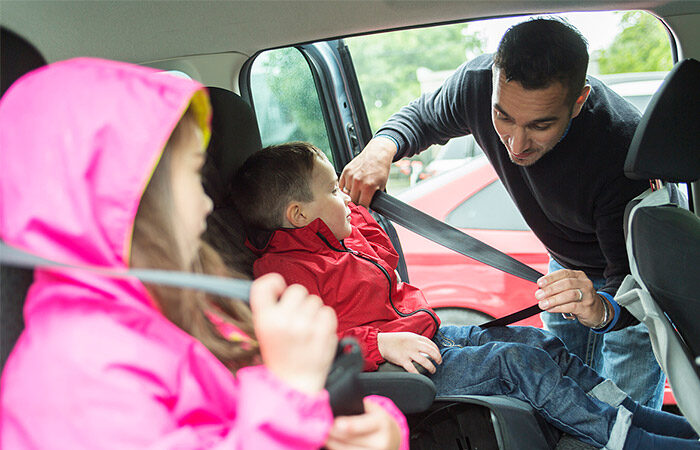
(155,245)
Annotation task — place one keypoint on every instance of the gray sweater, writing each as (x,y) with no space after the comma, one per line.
(573,198)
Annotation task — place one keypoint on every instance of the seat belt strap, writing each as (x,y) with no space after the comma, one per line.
(452,238)
(225,287)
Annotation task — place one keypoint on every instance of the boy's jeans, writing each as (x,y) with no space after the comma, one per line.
(624,356)
(531,365)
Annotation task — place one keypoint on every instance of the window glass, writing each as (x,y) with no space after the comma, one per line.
(489,209)
(286,102)
(629,50)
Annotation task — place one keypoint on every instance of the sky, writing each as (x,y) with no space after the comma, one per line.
(599,28)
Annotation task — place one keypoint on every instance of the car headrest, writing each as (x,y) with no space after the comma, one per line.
(234,137)
(666,143)
(17,57)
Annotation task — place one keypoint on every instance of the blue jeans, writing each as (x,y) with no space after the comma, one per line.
(528,364)
(623,356)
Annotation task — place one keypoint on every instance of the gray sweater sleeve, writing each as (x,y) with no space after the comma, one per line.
(436,117)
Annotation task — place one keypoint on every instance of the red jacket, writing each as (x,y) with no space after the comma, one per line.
(356,277)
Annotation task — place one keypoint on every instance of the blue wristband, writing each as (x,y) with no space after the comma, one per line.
(390,137)
(616,313)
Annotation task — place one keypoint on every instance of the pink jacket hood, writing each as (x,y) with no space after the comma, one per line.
(80,141)
(97,365)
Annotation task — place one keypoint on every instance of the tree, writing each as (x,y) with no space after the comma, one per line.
(386,63)
(642,46)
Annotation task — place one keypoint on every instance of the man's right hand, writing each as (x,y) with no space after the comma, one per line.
(368,171)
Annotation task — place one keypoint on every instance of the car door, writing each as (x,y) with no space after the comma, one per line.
(310,93)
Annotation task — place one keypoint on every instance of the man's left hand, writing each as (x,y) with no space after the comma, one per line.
(570,292)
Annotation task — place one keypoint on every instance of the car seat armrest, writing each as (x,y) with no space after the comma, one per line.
(410,392)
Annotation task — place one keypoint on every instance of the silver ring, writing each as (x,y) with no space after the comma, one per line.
(568,316)
(580,295)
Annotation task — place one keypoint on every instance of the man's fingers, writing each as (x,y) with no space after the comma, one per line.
(365,195)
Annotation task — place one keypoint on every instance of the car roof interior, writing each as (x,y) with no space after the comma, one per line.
(216,38)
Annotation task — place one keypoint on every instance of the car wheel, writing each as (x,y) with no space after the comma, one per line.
(461,317)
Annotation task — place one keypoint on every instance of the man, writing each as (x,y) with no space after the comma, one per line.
(558,144)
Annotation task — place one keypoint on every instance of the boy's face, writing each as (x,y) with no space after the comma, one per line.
(329,203)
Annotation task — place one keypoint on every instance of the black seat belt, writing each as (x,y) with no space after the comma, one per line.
(452,238)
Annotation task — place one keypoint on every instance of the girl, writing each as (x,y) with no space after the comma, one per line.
(100,166)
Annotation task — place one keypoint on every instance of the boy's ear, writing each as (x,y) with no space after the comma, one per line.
(295,215)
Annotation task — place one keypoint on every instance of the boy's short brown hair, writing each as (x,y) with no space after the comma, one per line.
(272,178)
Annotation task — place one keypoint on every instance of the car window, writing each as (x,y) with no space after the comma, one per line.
(491,208)
(285,100)
(632,48)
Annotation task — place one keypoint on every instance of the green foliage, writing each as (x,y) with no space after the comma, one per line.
(641,46)
(386,63)
(286,100)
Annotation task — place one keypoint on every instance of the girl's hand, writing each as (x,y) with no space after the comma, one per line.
(402,348)
(375,429)
(296,332)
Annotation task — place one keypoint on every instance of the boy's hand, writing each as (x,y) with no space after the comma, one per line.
(296,332)
(404,347)
(375,429)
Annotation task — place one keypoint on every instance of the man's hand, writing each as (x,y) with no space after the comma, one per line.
(570,292)
(368,171)
(403,348)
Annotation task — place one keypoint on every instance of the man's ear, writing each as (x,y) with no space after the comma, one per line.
(580,100)
(295,215)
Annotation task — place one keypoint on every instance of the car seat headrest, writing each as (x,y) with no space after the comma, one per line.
(234,137)
(665,144)
(17,57)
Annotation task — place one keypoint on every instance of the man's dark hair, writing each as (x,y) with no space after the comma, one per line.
(541,51)
(272,178)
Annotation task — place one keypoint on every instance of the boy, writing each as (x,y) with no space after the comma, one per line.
(315,237)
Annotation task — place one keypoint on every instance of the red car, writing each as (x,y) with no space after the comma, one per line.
(464,291)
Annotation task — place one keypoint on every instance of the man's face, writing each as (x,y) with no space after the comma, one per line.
(530,122)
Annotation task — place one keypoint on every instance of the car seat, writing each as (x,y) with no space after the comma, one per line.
(463,422)
(663,239)
(17,57)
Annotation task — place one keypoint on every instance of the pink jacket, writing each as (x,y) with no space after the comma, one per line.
(97,365)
